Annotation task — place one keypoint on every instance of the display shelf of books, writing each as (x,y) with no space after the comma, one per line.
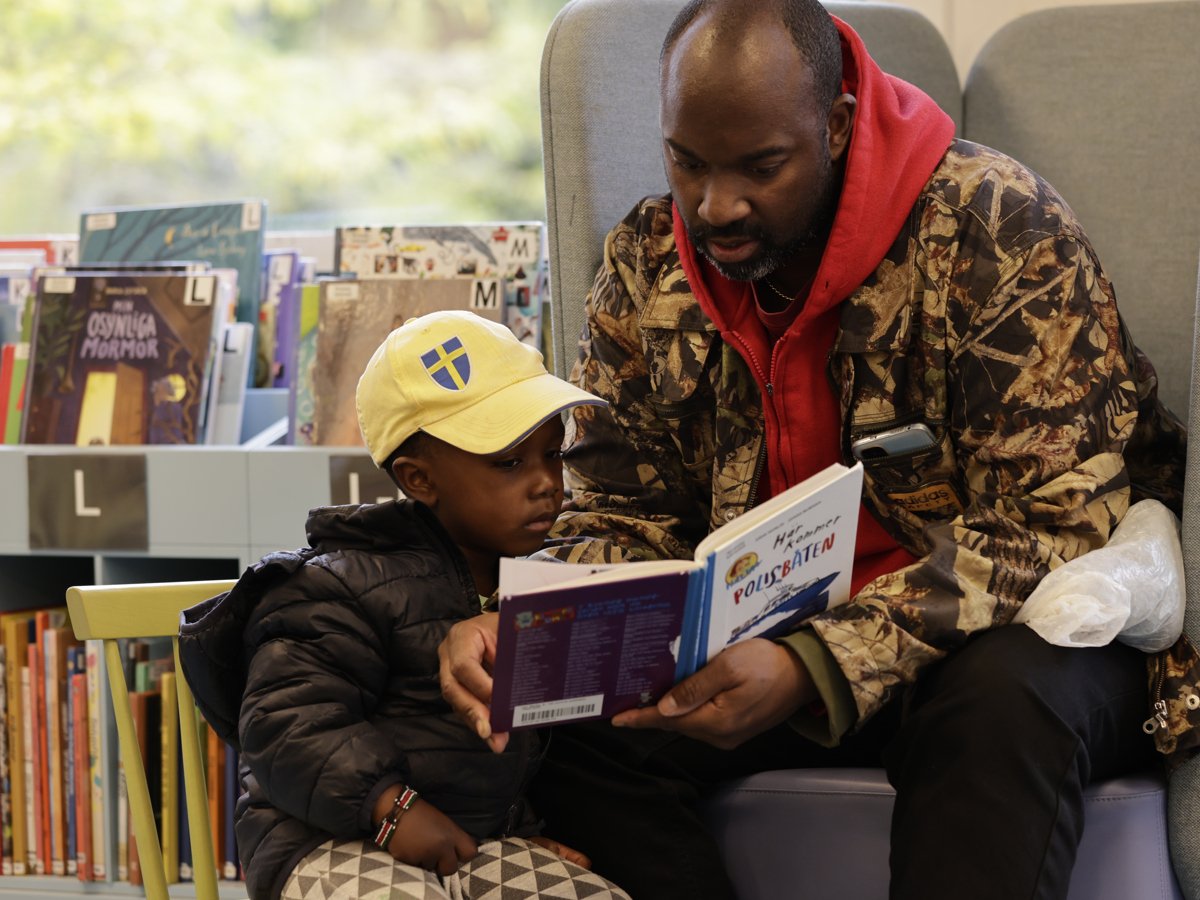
(176,393)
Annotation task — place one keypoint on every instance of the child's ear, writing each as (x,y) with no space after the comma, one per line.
(413,475)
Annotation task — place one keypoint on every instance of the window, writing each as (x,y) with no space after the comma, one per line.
(334,111)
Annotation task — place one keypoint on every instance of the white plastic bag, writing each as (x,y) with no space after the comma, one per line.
(1131,589)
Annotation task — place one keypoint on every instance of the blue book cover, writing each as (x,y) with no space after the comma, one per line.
(228,235)
(592,642)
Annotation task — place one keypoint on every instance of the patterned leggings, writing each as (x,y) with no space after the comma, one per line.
(350,870)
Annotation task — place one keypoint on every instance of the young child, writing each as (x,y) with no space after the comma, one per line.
(321,664)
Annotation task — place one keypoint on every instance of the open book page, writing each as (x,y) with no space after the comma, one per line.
(525,576)
(784,562)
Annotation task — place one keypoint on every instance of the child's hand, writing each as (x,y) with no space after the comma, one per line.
(562,850)
(427,837)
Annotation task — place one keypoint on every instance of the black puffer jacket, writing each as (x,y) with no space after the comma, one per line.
(321,667)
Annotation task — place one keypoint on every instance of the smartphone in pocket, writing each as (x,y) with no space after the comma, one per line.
(899,441)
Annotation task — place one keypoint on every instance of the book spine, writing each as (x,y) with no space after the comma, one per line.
(6,807)
(68,765)
(40,844)
(83,793)
(185,835)
(122,823)
(215,761)
(31,804)
(230,785)
(137,706)
(14,633)
(51,663)
(694,613)
(6,375)
(16,395)
(706,614)
(169,742)
(102,845)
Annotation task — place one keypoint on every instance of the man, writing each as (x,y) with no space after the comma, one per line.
(830,264)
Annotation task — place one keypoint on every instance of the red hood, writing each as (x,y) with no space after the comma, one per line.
(900,136)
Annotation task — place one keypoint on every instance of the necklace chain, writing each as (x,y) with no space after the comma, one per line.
(778,293)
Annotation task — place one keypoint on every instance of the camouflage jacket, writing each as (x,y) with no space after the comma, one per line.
(991,321)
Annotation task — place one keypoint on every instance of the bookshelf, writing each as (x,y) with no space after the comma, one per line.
(55,887)
(205,512)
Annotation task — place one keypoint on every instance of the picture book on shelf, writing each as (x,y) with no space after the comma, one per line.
(587,644)
(512,251)
(353,319)
(227,235)
(122,358)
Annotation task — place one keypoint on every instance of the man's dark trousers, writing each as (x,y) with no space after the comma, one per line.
(989,755)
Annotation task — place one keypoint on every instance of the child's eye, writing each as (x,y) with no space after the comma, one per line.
(507,463)
(556,453)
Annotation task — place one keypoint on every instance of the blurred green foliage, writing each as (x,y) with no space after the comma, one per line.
(334,111)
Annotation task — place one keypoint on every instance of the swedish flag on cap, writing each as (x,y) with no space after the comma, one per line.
(449,365)
(462,379)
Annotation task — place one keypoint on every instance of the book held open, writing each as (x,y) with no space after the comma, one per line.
(579,642)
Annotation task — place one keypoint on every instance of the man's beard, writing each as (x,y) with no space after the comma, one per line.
(773,254)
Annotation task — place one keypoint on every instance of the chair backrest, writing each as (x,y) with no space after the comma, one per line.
(1102,102)
(110,613)
(601,141)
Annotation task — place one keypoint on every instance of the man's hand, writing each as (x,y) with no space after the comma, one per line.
(427,837)
(464,655)
(747,689)
(570,854)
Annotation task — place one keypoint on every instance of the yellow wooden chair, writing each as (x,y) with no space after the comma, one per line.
(110,612)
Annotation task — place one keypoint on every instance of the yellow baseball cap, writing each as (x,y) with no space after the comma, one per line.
(462,379)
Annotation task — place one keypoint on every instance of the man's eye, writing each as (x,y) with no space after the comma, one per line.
(687,165)
(765,171)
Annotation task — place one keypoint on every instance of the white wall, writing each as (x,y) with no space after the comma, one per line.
(967,24)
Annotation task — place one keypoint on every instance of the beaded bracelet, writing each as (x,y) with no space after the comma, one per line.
(387,826)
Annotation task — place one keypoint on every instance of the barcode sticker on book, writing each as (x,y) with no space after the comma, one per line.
(100,221)
(341,291)
(58,284)
(251,216)
(558,710)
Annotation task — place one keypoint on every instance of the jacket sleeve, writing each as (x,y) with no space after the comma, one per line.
(315,674)
(1040,404)
(629,482)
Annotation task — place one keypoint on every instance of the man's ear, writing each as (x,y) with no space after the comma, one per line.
(415,479)
(840,124)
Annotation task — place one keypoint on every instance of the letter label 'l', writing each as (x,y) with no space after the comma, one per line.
(81,509)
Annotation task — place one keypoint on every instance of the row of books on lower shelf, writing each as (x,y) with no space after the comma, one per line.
(64,809)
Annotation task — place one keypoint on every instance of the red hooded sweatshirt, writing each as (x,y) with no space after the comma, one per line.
(899,138)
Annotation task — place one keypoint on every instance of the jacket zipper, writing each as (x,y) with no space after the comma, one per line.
(1159,719)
